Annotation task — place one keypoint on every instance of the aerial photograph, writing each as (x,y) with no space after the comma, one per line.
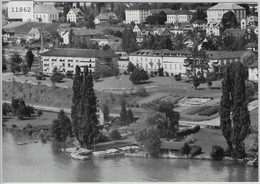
(129,91)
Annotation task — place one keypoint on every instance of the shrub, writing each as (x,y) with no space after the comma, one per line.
(177,77)
(195,150)
(210,111)
(29,125)
(14,125)
(217,153)
(115,135)
(185,149)
(188,131)
(125,73)
(141,91)
(39,113)
(69,74)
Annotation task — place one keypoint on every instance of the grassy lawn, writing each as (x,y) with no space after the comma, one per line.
(44,120)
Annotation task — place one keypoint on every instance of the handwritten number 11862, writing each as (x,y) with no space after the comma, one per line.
(21,9)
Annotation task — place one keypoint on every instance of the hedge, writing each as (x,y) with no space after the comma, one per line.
(195,110)
(209,111)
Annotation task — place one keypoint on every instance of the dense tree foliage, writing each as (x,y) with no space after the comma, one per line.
(20,108)
(138,75)
(84,109)
(156,19)
(16,60)
(90,22)
(56,76)
(234,114)
(129,44)
(131,67)
(25,68)
(197,65)
(123,114)
(105,112)
(61,127)
(229,20)
(29,58)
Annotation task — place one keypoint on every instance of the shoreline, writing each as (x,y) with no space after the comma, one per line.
(74,152)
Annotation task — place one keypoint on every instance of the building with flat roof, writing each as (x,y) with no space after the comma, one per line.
(137,16)
(67,59)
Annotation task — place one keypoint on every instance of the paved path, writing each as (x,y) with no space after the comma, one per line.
(214,122)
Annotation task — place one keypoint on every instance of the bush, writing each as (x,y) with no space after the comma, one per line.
(69,74)
(188,131)
(14,126)
(185,149)
(115,135)
(210,111)
(29,125)
(177,77)
(141,91)
(217,153)
(125,73)
(195,150)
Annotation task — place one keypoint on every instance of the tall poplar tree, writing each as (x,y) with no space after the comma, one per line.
(76,100)
(234,114)
(29,58)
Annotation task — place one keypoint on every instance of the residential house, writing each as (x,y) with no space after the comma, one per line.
(46,13)
(234,32)
(213,28)
(179,16)
(170,147)
(113,42)
(75,15)
(199,25)
(215,13)
(123,61)
(253,71)
(82,35)
(180,28)
(67,59)
(136,15)
(103,18)
(38,33)
(252,20)
(218,60)
(8,35)
(251,46)
(139,30)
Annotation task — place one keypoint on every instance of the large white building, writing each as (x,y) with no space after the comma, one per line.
(46,13)
(216,12)
(137,16)
(179,16)
(67,59)
(150,60)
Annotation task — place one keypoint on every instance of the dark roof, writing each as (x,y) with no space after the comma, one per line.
(235,32)
(180,12)
(171,145)
(157,11)
(87,32)
(164,52)
(88,53)
(225,54)
(254,64)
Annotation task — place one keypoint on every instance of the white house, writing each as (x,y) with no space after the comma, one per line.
(103,18)
(37,33)
(179,16)
(216,12)
(67,59)
(253,71)
(46,13)
(74,15)
(137,16)
(213,28)
(65,36)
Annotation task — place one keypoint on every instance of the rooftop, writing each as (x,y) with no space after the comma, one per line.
(44,8)
(180,12)
(84,53)
(87,32)
(172,145)
(226,6)
(254,64)
(225,54)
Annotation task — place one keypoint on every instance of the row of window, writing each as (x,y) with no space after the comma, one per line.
(70,60)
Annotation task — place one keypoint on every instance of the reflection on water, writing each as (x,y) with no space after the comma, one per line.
(40,162)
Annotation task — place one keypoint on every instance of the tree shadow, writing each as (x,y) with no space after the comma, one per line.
(145,82)
(215,88)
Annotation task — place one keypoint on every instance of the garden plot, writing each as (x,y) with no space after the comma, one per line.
(190,101)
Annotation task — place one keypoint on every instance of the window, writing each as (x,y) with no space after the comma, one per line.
(63,64)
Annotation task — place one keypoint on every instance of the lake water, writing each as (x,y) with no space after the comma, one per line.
(38,162)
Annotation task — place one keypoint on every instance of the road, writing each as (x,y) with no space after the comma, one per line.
(214,122)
